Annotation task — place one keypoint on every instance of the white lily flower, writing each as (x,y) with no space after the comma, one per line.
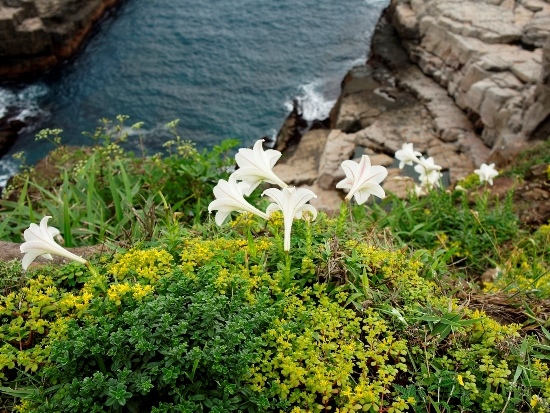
(292,203)
(39,241)
(419,190)
(429,172)
(486,173)
(407,155)
(362,179)
(255,166)
(229,198)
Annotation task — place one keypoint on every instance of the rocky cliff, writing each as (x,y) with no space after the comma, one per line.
(36,35)
(464,81)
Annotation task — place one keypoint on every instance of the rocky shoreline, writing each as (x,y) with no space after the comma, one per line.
(36,35)
(466,82)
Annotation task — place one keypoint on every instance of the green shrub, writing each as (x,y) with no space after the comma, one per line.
(107,193)
(186,349)
(446,219)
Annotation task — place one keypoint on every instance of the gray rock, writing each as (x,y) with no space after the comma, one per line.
(37,34)
(301,165)
(339,147)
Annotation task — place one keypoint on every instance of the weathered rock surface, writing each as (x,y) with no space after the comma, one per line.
(464,81)
(38,34)
(488,57)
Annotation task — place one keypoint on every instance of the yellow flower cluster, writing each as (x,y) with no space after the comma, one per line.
(490,332)
(34,315)
(398,269)
(117,292)
(145,266)
(197,252)
(321,356)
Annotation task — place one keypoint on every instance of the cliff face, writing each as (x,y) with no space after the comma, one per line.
(466,82)
(38,34)
(489,57)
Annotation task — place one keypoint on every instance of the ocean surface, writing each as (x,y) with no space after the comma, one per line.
(225,69)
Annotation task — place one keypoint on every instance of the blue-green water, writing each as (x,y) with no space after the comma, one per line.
(225,69)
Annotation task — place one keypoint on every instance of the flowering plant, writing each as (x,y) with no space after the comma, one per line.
(39,241)
(486,173)
(362,179)
(255,166)
(292,203)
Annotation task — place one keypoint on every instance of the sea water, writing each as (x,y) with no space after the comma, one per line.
(226,69)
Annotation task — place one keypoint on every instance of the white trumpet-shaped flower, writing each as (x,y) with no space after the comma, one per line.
(362,179)
(229,198)
(255,166)
(486,173)
(429,172)
(292,202)
(407,155)
(39,241)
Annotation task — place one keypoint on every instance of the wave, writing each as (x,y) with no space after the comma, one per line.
(8,168)
(23,104)
(314,104)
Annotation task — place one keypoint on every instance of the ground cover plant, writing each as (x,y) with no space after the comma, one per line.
(375,309)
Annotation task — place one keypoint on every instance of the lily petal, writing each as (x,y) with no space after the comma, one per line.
(362,179)
(293,203)
(486,173)
(407,155)
(229,198)
(255,166)
(39,241)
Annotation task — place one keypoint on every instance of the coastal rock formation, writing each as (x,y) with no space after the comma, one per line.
(38,34)
(487,55)
(465,81)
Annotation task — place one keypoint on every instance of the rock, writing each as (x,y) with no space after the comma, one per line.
(328,200)
(474,49)
(537,110)
(36,35)
(292,129)
(464,81)
(397,183)
(536,31)
(379,158)
(357,105)
(301,165)
(9,129)
(339,147)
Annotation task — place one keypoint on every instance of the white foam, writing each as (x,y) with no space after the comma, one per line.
(8,168)
(314,105)
(24,102)
(7,99)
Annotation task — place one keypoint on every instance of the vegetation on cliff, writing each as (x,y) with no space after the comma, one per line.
(436,303)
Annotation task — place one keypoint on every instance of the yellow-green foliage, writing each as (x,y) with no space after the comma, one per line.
(35,311)
(319,355)
(469,182)
(230,258)
(474,368)
(521,272)
(395,268)
(143,266)
(38,312)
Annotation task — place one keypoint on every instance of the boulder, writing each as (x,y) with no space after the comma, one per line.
(537,106)
(300,166)
(35,35)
